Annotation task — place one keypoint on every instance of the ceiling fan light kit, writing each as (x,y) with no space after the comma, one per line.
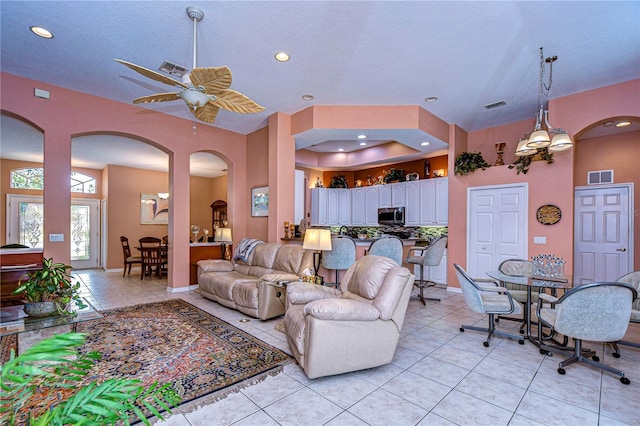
(540,136)
(203,90)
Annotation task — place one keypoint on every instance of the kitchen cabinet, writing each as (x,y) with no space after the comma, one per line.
(372,201)
(412,203)
(434,201)
(319,206)
(338,206)
(364,206)
(398,194)
(330,206)
(385,196)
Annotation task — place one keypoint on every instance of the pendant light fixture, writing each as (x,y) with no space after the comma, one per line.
(540,136)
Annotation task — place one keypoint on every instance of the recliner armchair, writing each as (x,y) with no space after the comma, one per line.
(333,331)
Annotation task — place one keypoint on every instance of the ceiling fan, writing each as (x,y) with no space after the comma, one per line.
(204,90)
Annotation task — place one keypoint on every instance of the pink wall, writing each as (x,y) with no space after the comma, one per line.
(548,183)
(69,113)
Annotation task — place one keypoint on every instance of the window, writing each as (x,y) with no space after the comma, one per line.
(82,183)
(33,178)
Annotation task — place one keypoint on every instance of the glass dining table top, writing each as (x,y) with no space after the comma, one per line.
(533,281)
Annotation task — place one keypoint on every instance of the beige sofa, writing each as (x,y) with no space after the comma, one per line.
(333,331)
(245,285)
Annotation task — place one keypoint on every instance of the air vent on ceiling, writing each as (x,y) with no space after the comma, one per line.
(599,177)
(173,69)
(495,105)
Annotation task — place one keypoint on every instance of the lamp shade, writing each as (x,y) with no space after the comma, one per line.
(223,235)
(523,150)
(560,142)
(194,98)
(317,239)
(539,139)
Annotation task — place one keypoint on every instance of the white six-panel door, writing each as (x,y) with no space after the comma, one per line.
(496,226)
(603,226)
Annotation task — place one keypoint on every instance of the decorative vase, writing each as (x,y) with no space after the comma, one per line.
(40,309)
(500,150)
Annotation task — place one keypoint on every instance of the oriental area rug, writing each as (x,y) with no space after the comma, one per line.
(173,341)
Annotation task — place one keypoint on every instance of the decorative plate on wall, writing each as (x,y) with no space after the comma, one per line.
(548,214)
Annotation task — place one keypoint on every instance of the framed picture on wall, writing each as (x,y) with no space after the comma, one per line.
(154,210)
(260,201)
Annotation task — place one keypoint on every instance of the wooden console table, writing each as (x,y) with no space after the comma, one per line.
(15,264)
(202,251)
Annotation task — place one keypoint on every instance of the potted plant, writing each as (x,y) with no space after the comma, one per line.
(467,162)
(50,290)
(394,175)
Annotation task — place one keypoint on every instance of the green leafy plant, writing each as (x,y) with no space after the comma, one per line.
(52,283)
(467,162)
(394,175)
(522,163)
(339,182)
(55,363)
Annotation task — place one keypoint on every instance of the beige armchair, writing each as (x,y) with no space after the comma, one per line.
(333,331)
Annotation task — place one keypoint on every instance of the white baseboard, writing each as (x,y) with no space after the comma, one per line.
(454,289)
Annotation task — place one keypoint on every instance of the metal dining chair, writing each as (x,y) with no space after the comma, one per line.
(633,279)
(388,246)
(429,256)
(341,256)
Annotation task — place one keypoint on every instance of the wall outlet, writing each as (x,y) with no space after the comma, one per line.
(56,238)
(539,240)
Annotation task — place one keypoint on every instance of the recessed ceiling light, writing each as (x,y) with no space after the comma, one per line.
(340,149)
(623,124)
(431,99)
(282,56)
(363,144)
(42,32)
(307,97)
(362,136)
(424,143)
(608,123)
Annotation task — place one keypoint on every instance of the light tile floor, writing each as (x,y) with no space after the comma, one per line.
(439,376)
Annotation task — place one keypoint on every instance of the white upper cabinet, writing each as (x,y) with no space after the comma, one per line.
(412,203)
(358,206)
(372,201)
(434,201)
(385,196)
(398,194)
(319,206)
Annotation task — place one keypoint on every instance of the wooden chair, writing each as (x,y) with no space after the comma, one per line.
(128,259)
(151,254)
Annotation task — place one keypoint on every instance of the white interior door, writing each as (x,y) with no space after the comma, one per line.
(496,226)
(603,248)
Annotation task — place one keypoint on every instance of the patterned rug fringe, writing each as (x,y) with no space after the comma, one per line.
(194,405)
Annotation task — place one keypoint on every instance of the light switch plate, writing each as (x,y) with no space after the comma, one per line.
(539,240)
(56,238)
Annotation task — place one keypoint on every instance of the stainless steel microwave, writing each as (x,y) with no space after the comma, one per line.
(391,216)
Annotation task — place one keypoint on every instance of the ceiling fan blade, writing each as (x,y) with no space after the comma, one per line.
(237,102)
(160,97)
(207,113)
(212,79)
(152,74)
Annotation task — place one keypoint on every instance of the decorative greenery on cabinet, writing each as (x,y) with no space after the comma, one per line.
(522,163)
(467,162)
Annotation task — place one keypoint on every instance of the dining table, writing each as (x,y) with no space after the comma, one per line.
(532,282)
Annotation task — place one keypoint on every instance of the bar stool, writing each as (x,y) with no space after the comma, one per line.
(427,256)
(341,256)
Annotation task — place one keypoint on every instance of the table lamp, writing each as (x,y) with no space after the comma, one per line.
(317,240)
(224,236)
